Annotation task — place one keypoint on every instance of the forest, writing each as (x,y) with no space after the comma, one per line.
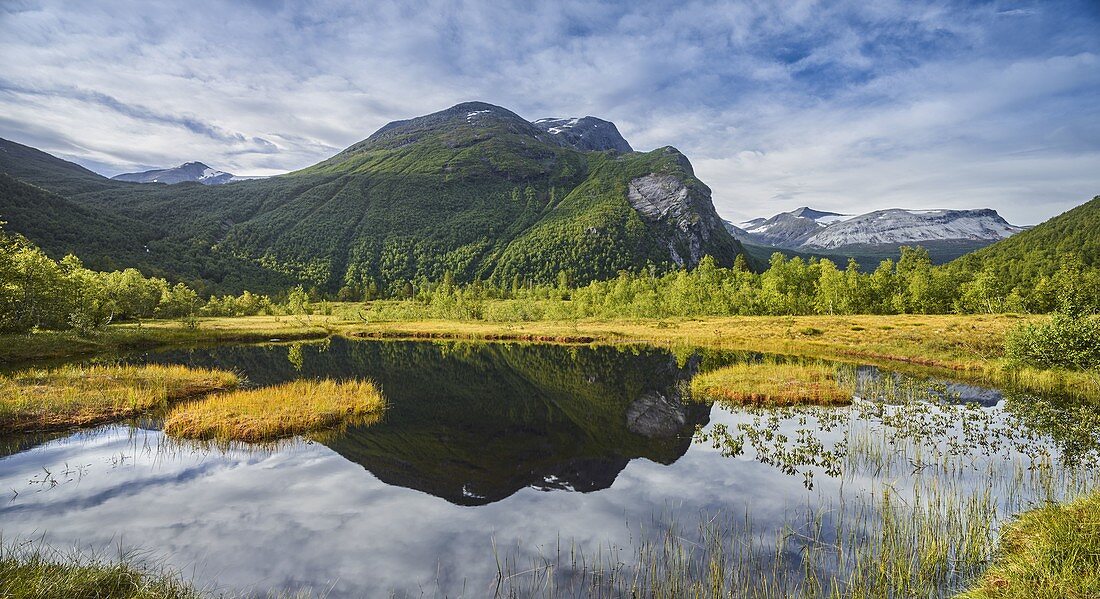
(39,292)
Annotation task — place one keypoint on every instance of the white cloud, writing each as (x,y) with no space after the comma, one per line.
(841,105)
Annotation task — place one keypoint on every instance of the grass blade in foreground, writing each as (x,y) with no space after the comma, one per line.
(270,413)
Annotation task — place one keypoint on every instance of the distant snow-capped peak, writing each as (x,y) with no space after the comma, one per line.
(806,228)
(188,171)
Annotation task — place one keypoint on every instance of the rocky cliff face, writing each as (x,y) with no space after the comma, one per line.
(588,134)
(682,214)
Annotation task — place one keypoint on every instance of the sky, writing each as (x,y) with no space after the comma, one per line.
(847,106)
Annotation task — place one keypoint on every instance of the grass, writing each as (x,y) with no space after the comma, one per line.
(70,396)
(267,414)
(1051,552)
(15,348)
(39,572)
(966,347)
(773,384)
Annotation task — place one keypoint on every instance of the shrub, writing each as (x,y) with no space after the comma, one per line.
(1062,342)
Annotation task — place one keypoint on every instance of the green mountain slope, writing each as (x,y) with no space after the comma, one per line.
(474,190)
(1024,258)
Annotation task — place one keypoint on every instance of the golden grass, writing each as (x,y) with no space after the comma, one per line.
(772,384)
(69,396)
(1051,552)
(270,413)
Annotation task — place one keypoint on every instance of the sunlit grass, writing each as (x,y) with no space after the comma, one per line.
(270,413)
(773,383)
(41,572)
(70,396)
(1050,552)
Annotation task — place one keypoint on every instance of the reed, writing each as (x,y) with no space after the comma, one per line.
(773,383)
(295,408)
(70,396)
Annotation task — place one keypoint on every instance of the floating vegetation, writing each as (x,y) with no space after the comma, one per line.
(38,400)
(923,486)
(270,413)
(774,384)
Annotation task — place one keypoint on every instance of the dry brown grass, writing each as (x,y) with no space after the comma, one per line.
(34,400)
(772,384)
(294,408)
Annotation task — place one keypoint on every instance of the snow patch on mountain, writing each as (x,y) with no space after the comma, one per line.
(910,226)
(188,171)
(588,134)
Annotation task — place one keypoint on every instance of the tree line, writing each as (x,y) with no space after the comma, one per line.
(795,286)
(39,292)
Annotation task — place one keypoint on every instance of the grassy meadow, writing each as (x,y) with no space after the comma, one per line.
(271,413)
(71,396)
(772,384)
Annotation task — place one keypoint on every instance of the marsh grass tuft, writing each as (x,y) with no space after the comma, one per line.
(294,408)
(1047,553)
(773,383)
(69,396)
(34,570)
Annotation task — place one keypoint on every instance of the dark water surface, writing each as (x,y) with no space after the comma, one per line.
(485,449)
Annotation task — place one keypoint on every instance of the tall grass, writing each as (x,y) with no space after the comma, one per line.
(34,400)
(773,383)
(270,413)
(37,571)
(1051,552)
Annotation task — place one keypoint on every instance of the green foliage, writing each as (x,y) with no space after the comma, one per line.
(1064,341)
(1026,262)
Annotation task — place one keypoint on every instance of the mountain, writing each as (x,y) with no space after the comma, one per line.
(588,134)
(1025,258)
(474,190)
(789,229)
(870,237)
(896,226)
(188,171)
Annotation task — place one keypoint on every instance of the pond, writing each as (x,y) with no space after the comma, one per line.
(526,469)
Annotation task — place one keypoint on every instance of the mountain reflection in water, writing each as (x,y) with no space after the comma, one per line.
(473,423)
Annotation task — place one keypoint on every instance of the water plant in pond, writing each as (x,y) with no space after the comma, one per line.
(44,399)
(293,408)
(773,383)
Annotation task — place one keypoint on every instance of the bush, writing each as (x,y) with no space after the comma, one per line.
(1062,342)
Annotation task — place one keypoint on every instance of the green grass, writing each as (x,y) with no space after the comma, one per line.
(772,383)
(1048,553)
(271,413)
(41,573)
(69,396)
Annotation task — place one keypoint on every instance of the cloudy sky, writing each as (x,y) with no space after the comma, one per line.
(848,106)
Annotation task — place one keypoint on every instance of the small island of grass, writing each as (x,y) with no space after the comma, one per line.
(71,396)
(294,408)
(768,383)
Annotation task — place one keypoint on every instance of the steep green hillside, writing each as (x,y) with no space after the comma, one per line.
(1024,258)
(474,190)
(39,168)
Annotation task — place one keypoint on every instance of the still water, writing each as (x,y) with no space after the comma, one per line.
(486,451)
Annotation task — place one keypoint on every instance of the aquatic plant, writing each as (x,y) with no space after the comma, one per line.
(269,413)
(45,399)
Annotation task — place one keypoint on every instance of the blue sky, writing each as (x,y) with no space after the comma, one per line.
(845,106)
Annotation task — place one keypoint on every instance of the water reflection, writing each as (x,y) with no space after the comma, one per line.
(473,423)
